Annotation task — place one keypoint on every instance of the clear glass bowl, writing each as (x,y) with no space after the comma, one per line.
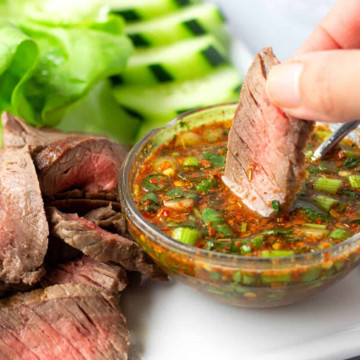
(233,279)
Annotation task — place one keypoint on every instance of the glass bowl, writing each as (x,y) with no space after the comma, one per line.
(233,279)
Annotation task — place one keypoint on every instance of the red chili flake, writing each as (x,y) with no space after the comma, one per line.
(153,181)
(238,244)
(319,221)
(212,231)
(339,164)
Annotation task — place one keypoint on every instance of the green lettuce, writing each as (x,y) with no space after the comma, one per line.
(48,67)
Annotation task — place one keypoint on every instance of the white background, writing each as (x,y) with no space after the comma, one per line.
(171,322)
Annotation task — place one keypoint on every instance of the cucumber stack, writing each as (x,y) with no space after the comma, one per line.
(181,60)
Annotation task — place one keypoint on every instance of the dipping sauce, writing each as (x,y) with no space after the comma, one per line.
(179,190)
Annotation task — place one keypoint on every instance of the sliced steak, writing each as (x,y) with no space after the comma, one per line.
(108,219)
(109,277)
(17,133)
(63,322)
(265,160)
(23,227)
(99,244)
(91,164)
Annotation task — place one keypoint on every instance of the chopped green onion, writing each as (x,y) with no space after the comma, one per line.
(155,182)
(354,181)
(330,186)
(316,226)
(245,249)
(282,232)
(325,202)
(276,206)
(243,227)
(276,253)
(339,234)
(191,161)
(186,235)
(309,154)
(206,185)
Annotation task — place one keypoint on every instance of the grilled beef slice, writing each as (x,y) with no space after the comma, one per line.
(67,160)
(265,160)
(108,277)
(17,133)
(99,244)
(63,322)
(23,227)
(108,219)
(91,164)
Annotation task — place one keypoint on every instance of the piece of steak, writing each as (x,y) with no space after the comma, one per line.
(265,161)
(91,164)
(108,277)
(100,244)
(23,226)
(108,219)
(17,133)
(63,322)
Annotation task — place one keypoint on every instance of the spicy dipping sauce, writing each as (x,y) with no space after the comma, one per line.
(179,190)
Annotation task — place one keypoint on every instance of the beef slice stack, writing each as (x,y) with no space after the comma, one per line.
(61,228)
(265,164)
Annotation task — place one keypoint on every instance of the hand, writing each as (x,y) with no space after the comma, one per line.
(322,81)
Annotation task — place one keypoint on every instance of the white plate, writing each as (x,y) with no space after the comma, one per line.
(167,321)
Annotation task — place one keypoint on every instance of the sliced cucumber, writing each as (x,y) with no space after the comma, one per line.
(136,10)
(159,104)
(186,23)
(184,60)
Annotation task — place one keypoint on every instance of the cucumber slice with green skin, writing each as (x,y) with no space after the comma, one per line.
(181,61)
(160,104)
(138,10)
(191,21)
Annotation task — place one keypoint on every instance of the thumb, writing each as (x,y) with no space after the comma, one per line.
(321,86)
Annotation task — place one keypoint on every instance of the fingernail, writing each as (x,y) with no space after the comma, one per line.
(283,85)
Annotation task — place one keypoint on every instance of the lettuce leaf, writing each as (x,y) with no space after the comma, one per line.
(99,113)
(46,68)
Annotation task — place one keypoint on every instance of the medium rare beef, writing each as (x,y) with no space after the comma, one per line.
(265,160)
(108,219)
(109,277)
(63,322)
(100,244)
(92,164)
(23,227)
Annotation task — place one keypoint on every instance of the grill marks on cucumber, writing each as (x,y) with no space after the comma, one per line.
(186,23)
(181,61)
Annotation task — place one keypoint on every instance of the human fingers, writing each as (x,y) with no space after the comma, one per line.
(340,29)
(320,86)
